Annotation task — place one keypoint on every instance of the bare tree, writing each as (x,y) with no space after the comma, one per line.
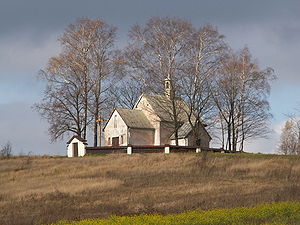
(126,93)
(76,79)
(63,104)
(6,150)
(205,50)
(290,137)
(102,66)
(155,52)
(170,48)
(240,94)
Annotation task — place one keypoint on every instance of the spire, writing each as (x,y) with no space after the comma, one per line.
(168,87)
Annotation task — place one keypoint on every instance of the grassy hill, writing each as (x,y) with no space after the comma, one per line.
(48,189)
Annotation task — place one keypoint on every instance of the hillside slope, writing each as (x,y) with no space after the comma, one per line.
(47,189)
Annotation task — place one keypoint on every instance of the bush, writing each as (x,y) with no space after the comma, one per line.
(5,152)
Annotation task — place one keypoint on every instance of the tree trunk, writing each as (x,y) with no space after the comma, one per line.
(229,136)
(95,130)
(85,102)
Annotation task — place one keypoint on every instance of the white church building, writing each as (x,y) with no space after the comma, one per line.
(150,122)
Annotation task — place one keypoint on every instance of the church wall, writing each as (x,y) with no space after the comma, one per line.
(166,130)
(141,136)
(204,137)
(152,117)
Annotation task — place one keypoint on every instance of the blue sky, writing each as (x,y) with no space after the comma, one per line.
(29,32)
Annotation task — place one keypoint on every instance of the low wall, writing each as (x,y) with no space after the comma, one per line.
(130,149)
(148,149)
(106,150)
(178,149)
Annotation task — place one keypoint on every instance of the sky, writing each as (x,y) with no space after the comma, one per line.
(28,38)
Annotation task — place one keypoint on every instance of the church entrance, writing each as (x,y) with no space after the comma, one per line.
(75,149)
(115,141)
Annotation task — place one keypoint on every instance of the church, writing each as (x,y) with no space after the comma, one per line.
(151,122)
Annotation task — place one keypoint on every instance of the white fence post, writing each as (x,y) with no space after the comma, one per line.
(198,150)
(129,149)
(167,149)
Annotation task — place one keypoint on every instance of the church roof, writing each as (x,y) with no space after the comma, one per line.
(134,118)
(79,138)
(183,131)
(162,106)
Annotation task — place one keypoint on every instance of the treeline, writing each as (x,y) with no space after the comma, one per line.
(225,89)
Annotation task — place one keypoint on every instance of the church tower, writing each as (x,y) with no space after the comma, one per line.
(168,88)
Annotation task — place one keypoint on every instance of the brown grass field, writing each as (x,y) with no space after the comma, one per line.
(35,190)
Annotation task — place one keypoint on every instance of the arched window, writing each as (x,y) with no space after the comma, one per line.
(109,141)
(115,121)
(167,85)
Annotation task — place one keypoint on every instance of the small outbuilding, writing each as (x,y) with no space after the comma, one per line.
(76,146)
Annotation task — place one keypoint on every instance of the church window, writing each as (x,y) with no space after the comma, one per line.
(167,85)
(115,121)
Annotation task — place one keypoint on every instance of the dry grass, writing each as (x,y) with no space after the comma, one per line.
(46,189)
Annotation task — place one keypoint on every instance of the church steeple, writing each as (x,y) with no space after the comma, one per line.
(168,87)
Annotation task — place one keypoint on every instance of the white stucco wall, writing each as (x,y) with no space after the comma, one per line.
(121,130)
(144,105)
(81,148)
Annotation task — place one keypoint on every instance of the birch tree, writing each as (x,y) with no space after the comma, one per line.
(206,49)
(76,78)
(290,137)
(241,93)
(63,103)
(156,52)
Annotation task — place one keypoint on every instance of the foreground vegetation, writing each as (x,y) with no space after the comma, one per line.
(36,190)
(276,213)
